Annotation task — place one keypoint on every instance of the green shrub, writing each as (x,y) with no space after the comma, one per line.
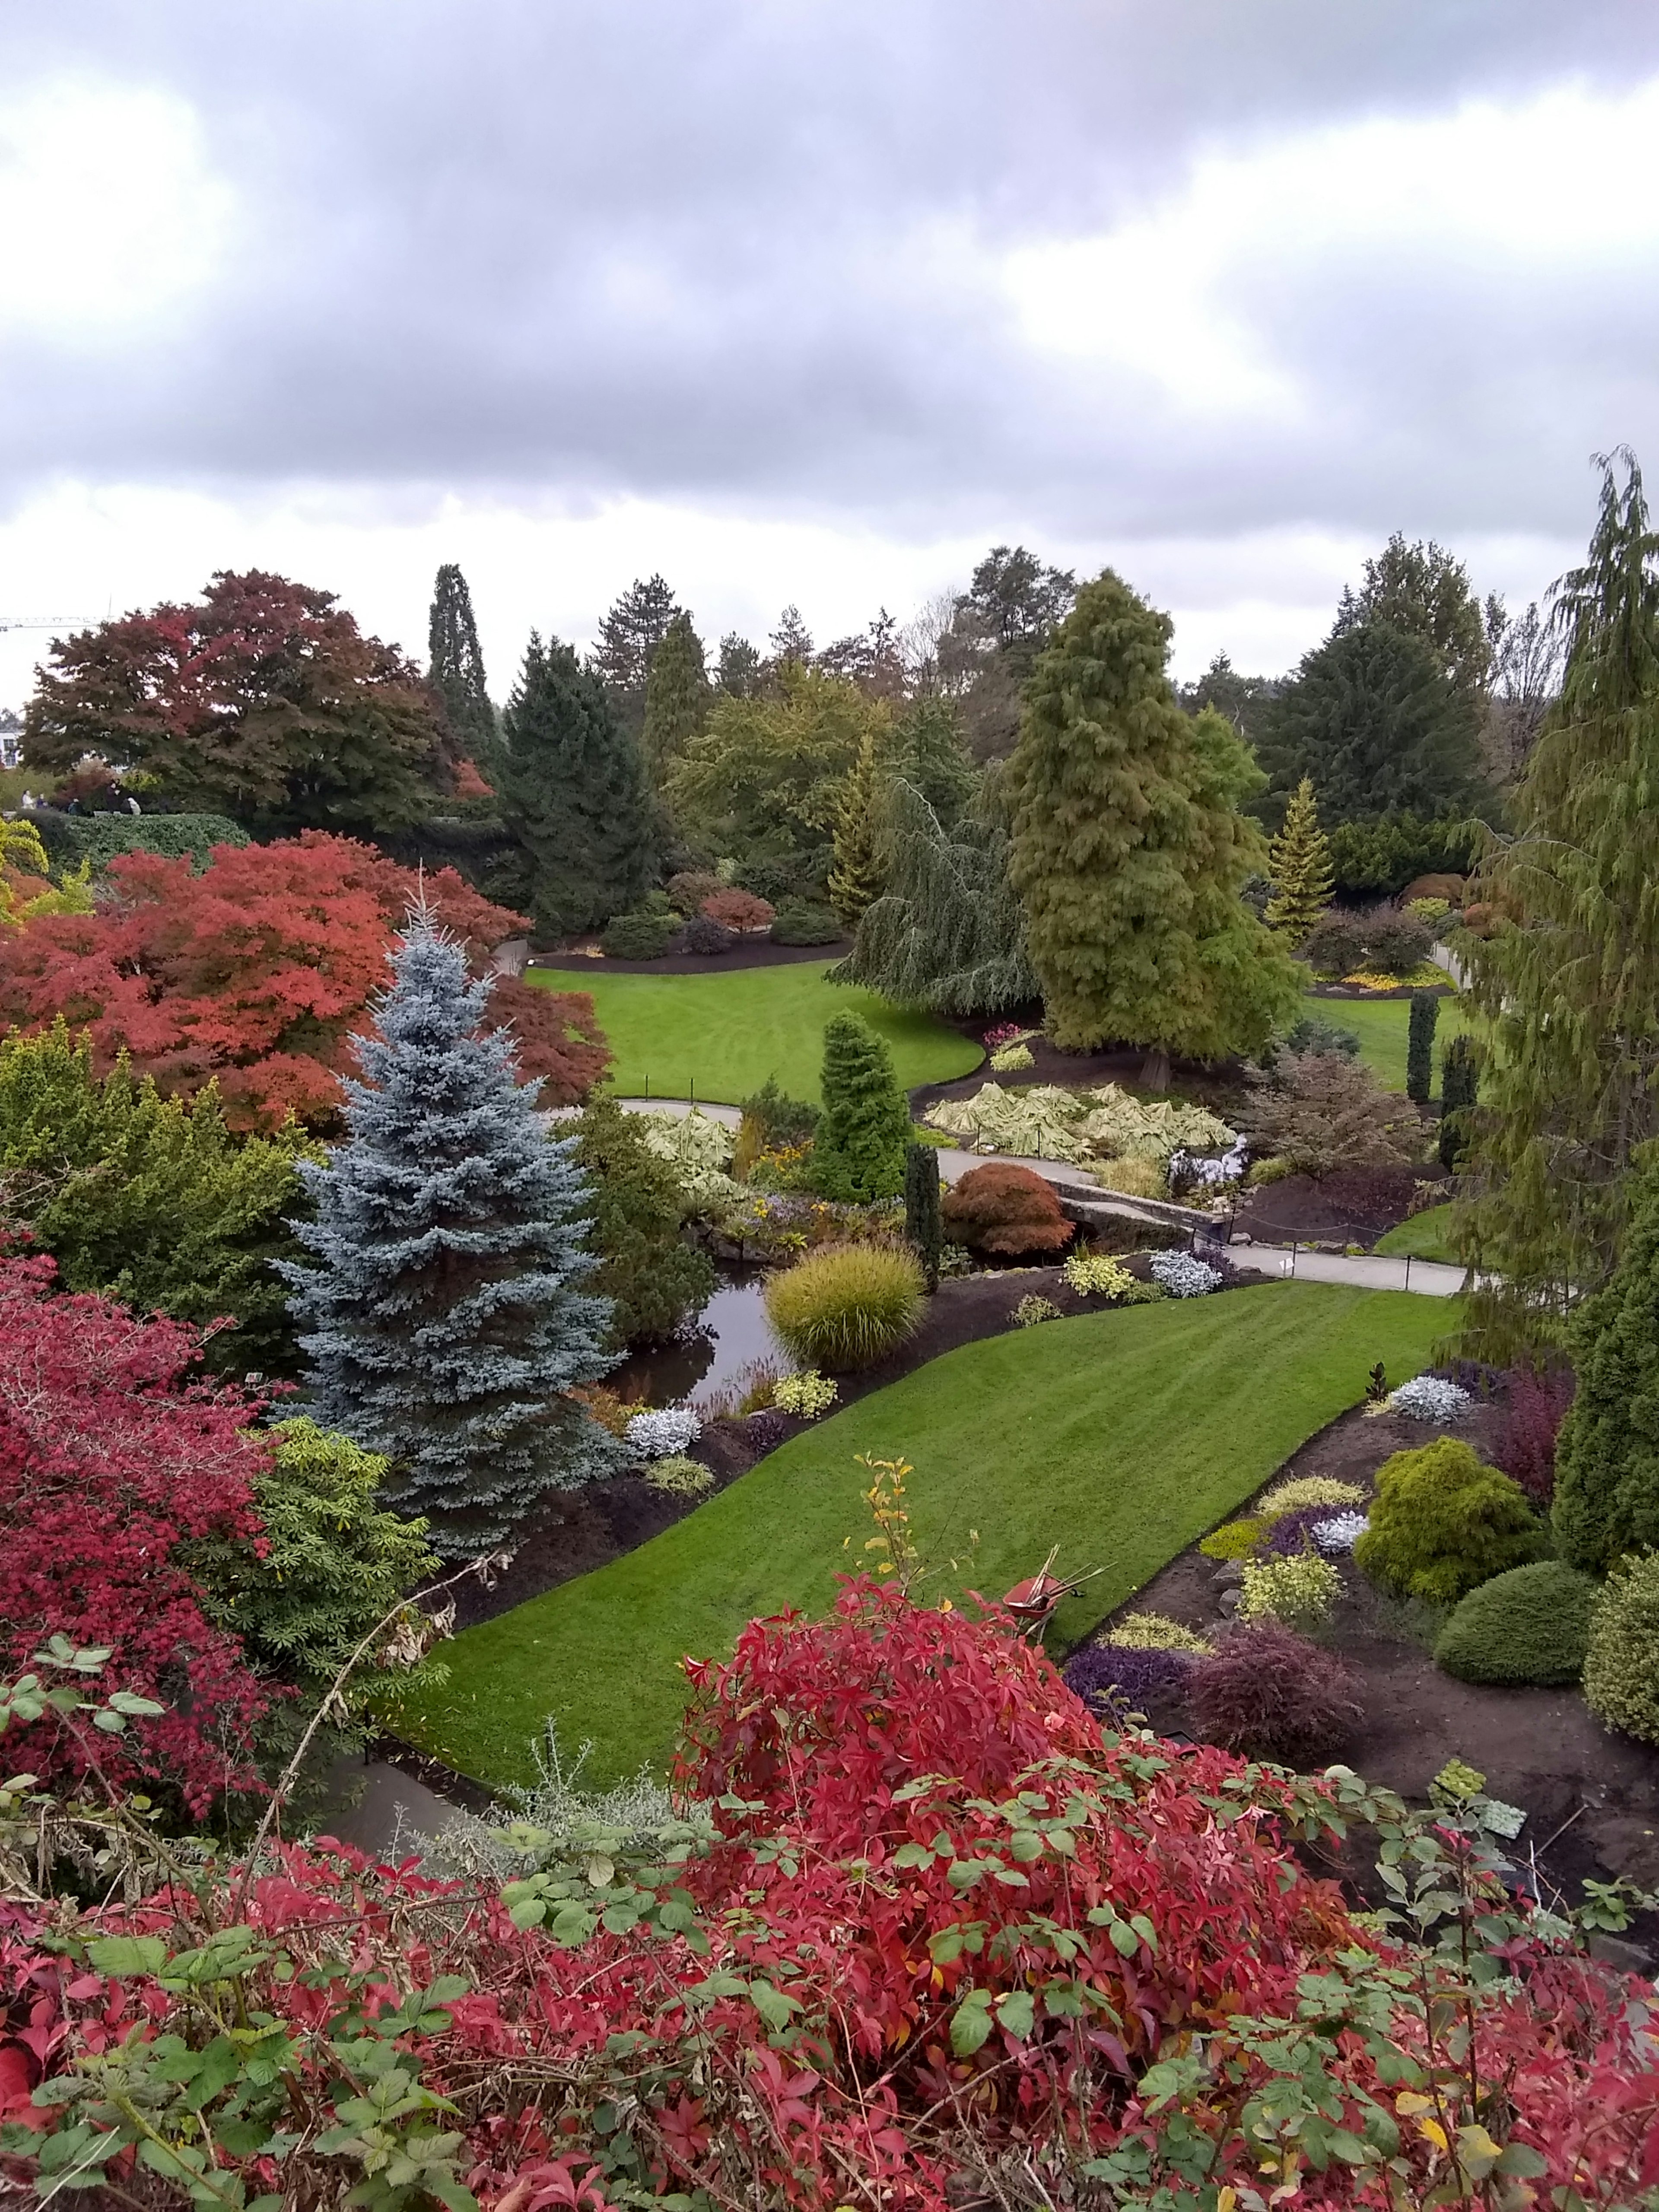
(1305,1490)
(807,925)
(678,1475)
(806,1396)
(864,1131)
(1442,1523)
(1155,1631)
(653,1278)
(848,1305)
(101,838)
(1621,1666)
(1531,1625)
(1097,1275)
(1234,1540)
(1302,1590)
(1034,1310)
(1262,1172)
(781,1120)
(640,936)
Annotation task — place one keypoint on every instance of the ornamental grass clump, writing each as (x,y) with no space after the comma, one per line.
(1301,1590)
(1308,1489)
(1442,1523)
(1270,1693)
(846,1305)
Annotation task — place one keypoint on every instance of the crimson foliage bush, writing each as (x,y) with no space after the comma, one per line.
(1272,1694)
(1537,1406)
(736,909)
(1003,1208)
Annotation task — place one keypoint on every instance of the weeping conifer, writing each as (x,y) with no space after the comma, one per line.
(1299,868)
(444,1319)
(1568,980)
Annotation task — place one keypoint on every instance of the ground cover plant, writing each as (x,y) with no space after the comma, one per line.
(1122,1434)
(721,1037)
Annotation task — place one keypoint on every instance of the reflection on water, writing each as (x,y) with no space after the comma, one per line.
(731,1333)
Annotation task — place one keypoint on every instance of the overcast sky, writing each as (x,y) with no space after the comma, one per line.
(814,299)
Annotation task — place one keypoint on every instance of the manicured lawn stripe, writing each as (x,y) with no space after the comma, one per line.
(1427,1235)
(1380,1024)
(719,1037)
(1120,1436)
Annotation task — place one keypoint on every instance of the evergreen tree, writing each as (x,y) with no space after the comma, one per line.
(1130,851)
(1425,591)
(629,633)
(855,879)
(864,1130)
(1298,868)
(924,1216)
(928,752)
(445,1320)
(739,671)
(676,698)
(573,791)
(1419,1046)
(792,640)
(1460,1083)
(652,1277)
(455,666)
(948,933)
(1607,1457)
(1568,980)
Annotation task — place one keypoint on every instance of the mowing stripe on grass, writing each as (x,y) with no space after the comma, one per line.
(1120,1436)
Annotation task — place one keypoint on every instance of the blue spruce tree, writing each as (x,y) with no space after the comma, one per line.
(446,1323)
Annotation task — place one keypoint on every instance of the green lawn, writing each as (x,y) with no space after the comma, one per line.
(725,1034)
(1120,1436)
(1380,1026)
(1427,1235)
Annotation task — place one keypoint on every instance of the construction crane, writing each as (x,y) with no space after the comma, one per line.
(47,621)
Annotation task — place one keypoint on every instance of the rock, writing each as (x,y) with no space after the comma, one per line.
(1624,1958)
(1229,1601)
(1241,1236)
(1228,1574)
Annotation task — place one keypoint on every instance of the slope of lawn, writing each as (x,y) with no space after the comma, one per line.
(1380,1024)
(1426,1235)
(1118,1436)
(719,1037)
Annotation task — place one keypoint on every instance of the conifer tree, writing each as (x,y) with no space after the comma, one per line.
(573,791)
(455,666)
(855,879)
(858,1154)
(1460,1084)
(948,933)
(1568,980)
(1130,851)
(1607,1457)
(676,698)
(444,1319)
(1419,1046)
(924,1216)
(629,633)
(1299,868)
(928,752)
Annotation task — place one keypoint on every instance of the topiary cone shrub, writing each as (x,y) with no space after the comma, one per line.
(1006,1209)
(846,1305)
(1270,1693)
(1442,1523)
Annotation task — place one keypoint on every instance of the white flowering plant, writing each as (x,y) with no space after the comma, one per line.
(1183,1276)
(661,1434)
(1339,1534)
(1431,1398)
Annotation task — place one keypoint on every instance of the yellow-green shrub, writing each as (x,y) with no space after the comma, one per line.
(1132,1178)
(1097,1275)
(1301,1591)
(805,1395)
(1621,1668)
(1234,1540)
(1305,1490)
(1442,1523)
(1155,1631)
(680,1476)
(846,1305)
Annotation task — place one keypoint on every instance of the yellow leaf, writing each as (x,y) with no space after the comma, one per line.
(1409,2104)
(1431,2131)
(1226,2200)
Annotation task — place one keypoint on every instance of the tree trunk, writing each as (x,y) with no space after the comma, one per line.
(1155,1070)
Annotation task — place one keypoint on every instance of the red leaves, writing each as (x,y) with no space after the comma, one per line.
(111,1461)
(258,971)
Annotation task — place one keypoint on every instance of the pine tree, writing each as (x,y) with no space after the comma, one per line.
(855,879)
(928,752)
(948,933)
(1419,1046)
(858,1155)
(676,698)
(1131,852)
(739,671)
(791,640)
(629,633)
(1460,1083)
(455,666)
(924,1218)
(445,1320)
(1568,980)
(573,791)
(1299,868)
(1607,1459)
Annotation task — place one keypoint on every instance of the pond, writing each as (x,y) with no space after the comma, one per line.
(730,1334)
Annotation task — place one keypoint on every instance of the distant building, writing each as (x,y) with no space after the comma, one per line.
(11,739)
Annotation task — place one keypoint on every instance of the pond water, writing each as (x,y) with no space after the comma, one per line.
(730,1334)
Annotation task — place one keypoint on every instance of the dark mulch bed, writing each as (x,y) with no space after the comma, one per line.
(1542,1749)
(1207,1086)
(1354,1207)
(583,1529)
(757,951)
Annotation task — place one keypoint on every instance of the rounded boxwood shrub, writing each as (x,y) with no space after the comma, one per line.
(846,1305)
(1442,1523)
(1270,1693)
(637,936)
(1621,1667)
(1003,1208)
(807,925)
(1530,1625)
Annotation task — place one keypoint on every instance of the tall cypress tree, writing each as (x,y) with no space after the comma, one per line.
(1299,868)
(1568,980)
(855,879)
(676,698)
(1607,1458)
(573,791)
(1131,852)
(455,665)
(1419,1046)
(924,1214)
(445,1320)
(1460,1086)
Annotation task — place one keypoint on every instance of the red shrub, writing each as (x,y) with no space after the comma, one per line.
(739,910)
(1272,1694)
(1003,1208)
(686,891)
(258,971)
(111,1460)
(1537,1406)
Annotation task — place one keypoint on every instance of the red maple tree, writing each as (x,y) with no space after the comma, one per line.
(258,971)
(111,1457)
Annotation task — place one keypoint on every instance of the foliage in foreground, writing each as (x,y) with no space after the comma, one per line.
(917,1929)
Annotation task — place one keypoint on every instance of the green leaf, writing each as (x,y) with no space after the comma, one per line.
(1016,2012)
(128,1955)
(772,2004)
(970,2023)
(1125,1942)
(1521,2158)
